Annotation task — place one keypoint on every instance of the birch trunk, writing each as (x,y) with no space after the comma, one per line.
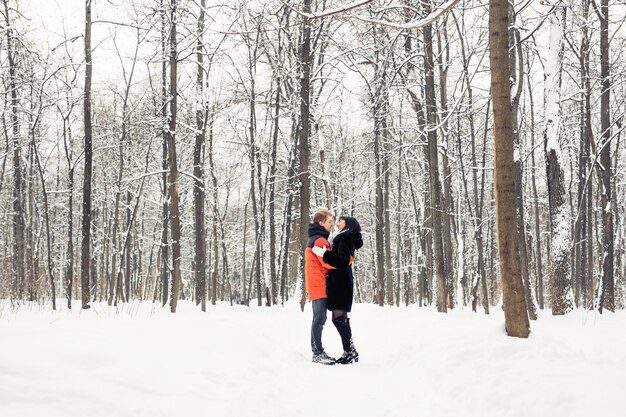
(561,288)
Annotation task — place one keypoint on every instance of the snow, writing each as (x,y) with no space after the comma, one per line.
(141,360)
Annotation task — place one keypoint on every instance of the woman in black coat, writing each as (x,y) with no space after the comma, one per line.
(340,281)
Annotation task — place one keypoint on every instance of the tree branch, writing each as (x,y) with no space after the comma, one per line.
(328,12)
(415,24)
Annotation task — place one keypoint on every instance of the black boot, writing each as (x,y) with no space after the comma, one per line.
(350,354)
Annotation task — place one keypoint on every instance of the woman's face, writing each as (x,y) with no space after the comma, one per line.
(341,224)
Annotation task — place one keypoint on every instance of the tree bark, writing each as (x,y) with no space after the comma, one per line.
(514,305)
(433,163)
(198,171)
(562,297)
(538,254)
(607,294)
(303,141)
(19,225)
(165,253)
(582,243)
(172,162)
(516,63)
(447,198)
(86,227)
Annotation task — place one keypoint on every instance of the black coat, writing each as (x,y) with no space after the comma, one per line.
(340,281)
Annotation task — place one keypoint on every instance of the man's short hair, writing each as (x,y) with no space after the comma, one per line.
(321,215)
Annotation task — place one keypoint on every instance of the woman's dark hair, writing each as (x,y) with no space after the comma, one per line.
(351,224)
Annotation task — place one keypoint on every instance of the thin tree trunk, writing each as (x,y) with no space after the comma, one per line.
(19,225)
(69,270)
(433,163)
(198,172)
(517,76)
(379,220)
(165,254)
(303,142)
(47,222)
(607,291)
(584,169)
(86,228)
(216,218)
(447,198)
(275,285)
(173,165)
(539,262)
(389,276)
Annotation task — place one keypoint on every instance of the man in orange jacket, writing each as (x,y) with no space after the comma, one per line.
(315,272)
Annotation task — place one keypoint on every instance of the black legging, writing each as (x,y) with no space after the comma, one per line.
(342,323)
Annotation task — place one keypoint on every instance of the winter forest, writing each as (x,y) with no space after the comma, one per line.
(166,150)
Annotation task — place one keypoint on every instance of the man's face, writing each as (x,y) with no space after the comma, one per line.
(327,224)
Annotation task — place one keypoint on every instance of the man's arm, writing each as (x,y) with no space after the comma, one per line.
(323,244)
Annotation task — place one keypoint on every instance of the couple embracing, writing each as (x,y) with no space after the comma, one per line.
(329,280)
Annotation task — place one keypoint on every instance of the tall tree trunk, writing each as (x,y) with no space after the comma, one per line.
(198,171)
(256,212)
(46,213)
(69,269)
(303,142)
(275,285)
(255,170)
(165,253)
(216,219)
(424,249)
(476,210)
(516,63)
(380,207)
(447,199)
(85,261)
(538,254)
(386,193)
(19,225)
(173,165)
(562,297)
(291,187)
(433,163)
(582,243)
(607,294)
(515,313)
(380,108)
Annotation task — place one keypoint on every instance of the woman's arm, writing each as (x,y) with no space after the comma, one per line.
(341,258)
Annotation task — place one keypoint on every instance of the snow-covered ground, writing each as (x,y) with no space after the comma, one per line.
(140,360)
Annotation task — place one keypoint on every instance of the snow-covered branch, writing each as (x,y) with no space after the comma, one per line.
(329,12)
(412,25)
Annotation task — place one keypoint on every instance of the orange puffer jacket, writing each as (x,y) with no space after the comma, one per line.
(315,269)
